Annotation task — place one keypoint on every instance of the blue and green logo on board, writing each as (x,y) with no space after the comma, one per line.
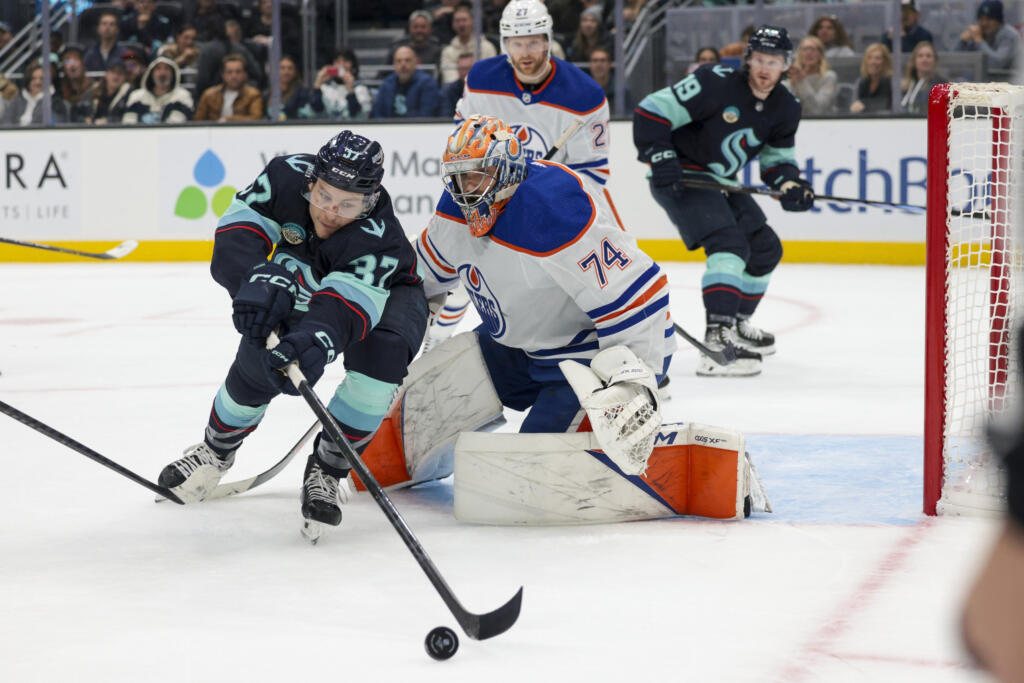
(209,173)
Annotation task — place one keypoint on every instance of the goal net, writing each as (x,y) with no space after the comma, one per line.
(974,289)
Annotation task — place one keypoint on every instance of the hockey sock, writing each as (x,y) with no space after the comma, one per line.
(230,422)
(752,289)
(721,287)
(359,405)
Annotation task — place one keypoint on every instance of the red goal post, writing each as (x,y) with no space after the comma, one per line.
(975,137)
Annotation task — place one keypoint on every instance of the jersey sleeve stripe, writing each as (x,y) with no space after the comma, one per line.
(659,284)
(651,116)
(457,219)
(346,302)
(244,226)
(593,176)
(573,349)
(240,212)
(635,319)
(573,111)
(630,292)
(369,298)
(435,255)
(589,164)
(432,266)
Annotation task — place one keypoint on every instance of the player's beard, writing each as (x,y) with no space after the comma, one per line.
(540,69)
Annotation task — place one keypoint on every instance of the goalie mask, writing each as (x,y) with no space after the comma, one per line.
(483,163)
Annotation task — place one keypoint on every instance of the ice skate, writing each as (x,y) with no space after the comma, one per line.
(753,338)
(322,497)
(719,338)
(194,476)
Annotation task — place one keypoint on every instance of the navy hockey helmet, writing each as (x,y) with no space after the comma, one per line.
(772,40)
(350,162)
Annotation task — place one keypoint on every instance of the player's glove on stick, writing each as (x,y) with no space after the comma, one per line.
(797,195)
(312,346)
(263,301)
(666,170)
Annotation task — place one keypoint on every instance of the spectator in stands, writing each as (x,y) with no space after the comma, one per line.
(233,99)
(213,52)
(75,87)
(811,80)
(259,29)
(997,41)
(208,19)
(740,48)
(161,99)
(705,55)
(874,88)
(296,99)
(107,50)
(27,108)
(464,41)
(420,38)
(145,24)
(134,59)
(183,48)
(922,73)
(408,92)
(442,15)
(6,35)
(492,10)
(589,36)
(451,93)
(337,91)
(110,99)
(831,32)
(601,71)
(911,33)
(8,91)
(565,15)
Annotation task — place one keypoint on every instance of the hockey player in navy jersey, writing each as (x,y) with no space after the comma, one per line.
(540,95)
(312,248)
(710,125)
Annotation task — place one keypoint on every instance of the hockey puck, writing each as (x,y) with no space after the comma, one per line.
(442,643)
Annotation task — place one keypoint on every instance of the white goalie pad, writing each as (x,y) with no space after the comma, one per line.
(620,395)
(552,479)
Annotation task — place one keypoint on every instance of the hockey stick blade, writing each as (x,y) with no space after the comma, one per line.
(476,626)
(66,440)
(721,357)
(116,252)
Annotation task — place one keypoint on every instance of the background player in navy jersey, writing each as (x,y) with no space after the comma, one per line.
(341,281)
(710,125)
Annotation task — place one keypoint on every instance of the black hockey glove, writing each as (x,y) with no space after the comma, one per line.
(797,195)
(263,301)
(313,347)
(665,169)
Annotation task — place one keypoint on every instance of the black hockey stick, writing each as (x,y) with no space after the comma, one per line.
(747,189)
(117,252)
(66,440)
(233,487)
(724,357)
(566,134)
(476,626)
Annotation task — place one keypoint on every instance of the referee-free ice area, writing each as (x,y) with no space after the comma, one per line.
(846,581)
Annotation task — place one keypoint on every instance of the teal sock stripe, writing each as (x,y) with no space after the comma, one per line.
(755,284)
(234,413)
(723,268)
(360,402)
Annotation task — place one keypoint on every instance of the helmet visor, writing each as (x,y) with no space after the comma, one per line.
(469,182)
(338,202)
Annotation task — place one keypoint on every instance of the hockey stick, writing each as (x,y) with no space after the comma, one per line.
(66,440)
(476,626)
(117,252)
(724,357)
(746,189)
(233,487)
(566,134)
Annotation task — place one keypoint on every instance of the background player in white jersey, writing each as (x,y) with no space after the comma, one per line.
(573,286)
(541,96)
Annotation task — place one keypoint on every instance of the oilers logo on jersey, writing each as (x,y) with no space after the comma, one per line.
(484,300)
(534,145)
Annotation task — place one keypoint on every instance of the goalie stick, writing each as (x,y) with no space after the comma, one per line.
(476,626)
(66,440)
(721,357)
(747,189)
(116,252)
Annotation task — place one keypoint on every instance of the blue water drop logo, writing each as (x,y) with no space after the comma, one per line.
(209,171)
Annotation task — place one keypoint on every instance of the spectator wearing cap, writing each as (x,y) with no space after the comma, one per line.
(994,39)
(911,32)
(110,98)
(420,38)
(135,62)
(6,35)
(27,108)
(408,92)
(107,49)
(233,99)
(75,87)
(145,24)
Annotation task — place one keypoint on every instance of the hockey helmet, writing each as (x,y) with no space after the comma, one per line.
(483,163)
(772,40)
(524,18)
(352,163)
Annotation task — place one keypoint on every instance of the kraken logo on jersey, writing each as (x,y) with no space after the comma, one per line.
(734,149)
(484,300)
(534,146)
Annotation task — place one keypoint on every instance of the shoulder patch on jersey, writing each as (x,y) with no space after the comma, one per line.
(549,212)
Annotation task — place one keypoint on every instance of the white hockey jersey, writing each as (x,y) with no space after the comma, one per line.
(555,277)
(545,112)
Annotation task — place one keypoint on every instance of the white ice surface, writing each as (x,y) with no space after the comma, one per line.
(847,581)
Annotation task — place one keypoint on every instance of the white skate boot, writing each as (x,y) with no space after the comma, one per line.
(720,338)
(194,476)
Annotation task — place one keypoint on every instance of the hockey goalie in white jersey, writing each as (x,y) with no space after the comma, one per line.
(575,332)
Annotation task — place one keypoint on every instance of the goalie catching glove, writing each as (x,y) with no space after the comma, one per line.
(797,195)
(620,394)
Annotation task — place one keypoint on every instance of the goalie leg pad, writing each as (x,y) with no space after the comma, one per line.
(550,479)
(447,391)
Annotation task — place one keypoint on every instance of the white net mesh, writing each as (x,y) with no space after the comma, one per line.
(983,287)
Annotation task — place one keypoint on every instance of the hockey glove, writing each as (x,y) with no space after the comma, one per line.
(312,347)
(263,301)
(797,195)
(665,169)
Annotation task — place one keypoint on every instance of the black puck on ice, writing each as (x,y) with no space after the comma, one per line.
(442,643)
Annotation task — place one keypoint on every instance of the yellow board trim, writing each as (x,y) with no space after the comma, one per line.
(890,253)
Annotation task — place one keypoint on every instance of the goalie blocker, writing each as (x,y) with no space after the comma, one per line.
(543,479)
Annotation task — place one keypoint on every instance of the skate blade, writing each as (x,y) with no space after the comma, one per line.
(764,351)
(739,368)
(312,530)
